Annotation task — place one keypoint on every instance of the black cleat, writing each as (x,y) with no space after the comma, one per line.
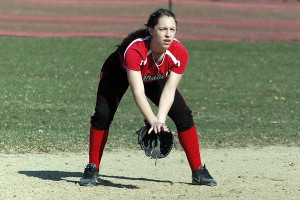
(90,175)
(202,177)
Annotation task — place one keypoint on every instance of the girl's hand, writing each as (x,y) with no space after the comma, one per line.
(157,127)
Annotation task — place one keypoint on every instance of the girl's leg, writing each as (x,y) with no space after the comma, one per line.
(183,119)
(98,139)
(187,133)
(189,142)
(112,86)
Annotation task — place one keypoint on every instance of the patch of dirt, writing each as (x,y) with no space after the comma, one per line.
(251,173)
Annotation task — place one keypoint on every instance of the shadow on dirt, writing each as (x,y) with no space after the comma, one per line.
(103,180)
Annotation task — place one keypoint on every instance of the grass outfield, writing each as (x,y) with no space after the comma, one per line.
(241,93)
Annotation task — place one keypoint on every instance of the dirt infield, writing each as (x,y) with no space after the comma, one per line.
(198,19)
(271,173)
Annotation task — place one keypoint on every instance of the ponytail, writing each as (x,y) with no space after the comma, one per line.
(141,33)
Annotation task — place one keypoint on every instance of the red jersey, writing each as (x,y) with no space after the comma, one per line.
(138,57)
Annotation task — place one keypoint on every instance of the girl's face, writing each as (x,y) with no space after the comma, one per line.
(163,33)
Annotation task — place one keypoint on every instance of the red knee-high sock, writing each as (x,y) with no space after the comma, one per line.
(98,139)
(190,144)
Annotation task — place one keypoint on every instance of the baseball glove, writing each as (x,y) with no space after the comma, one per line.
(155,145)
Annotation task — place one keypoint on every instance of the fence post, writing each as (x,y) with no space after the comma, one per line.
(170,5)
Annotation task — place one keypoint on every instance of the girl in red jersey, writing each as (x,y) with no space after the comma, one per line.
(151,61)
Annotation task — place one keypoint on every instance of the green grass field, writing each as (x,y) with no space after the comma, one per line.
(241,93)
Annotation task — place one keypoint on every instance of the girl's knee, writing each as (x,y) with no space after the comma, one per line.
(185,123)
(101,120)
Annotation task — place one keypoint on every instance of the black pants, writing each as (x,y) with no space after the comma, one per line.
(113,85)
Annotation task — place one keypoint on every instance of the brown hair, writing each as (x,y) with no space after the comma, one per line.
(142,33)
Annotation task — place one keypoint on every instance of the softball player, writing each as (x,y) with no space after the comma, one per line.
(151,61)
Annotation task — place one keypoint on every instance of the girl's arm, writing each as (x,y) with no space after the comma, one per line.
(167,96)
(138,92)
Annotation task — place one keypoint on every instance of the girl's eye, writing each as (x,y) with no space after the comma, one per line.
(164,29)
